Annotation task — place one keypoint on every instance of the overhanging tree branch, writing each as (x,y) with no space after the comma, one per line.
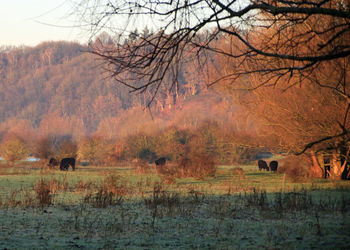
(280,40)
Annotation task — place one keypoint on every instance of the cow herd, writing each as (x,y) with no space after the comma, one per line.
(64,163)
(263,165)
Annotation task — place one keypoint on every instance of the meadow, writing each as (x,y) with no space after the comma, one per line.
(118,207)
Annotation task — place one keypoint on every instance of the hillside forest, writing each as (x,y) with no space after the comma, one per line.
(58,99)
(58,90)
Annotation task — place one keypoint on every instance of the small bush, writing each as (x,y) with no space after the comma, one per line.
(43,194)
(90,149)
(197,165)
(43,149)
(140,146)
(295,167)
(13,148)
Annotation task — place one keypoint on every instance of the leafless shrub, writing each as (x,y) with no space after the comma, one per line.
(162,200)
(102,198)
(197,165)
(256,198)
(293,201)
(43,194)
(295,167)
(112,183)
(109,193)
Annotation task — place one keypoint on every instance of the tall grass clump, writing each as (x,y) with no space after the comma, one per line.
(162,202)
(161,197)
(43,194)
(111,192)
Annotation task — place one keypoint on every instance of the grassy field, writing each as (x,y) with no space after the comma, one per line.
(116,207)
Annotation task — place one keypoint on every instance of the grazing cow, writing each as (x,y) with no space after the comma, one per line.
(160,162)
(273,166)
(65,162)
(263,165)
(53,162)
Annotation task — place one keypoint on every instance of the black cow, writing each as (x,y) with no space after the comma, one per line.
(160,162)
(273,166)
(53,162)
(65,162)
(263,165)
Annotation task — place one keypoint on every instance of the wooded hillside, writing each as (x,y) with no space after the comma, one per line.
(60,87)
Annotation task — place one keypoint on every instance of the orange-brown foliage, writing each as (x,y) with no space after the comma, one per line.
(295,167)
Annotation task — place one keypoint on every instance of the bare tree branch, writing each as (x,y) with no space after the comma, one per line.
(280,40)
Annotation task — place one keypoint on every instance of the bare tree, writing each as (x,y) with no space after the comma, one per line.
(278,40)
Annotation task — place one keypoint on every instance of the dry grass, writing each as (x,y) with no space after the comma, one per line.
(142,167)
(237,171)
(111,192)
(114,184)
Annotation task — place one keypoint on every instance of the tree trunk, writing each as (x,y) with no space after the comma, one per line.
(337,166)
(315,170)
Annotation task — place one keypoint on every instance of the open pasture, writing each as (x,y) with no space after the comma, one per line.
(116,207)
